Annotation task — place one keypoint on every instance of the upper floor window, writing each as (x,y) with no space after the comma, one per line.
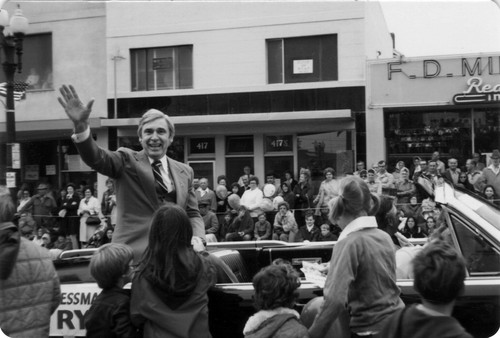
(162,68)
(36,63)
(302,59)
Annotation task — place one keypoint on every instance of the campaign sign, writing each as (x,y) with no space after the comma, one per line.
(76,299)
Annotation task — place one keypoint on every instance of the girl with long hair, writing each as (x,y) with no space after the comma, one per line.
(360,291)
(169,290)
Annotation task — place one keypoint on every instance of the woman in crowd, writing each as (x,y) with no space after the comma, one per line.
(70,224)
(387,217)
(414,210)
(490,194)
(463,182)
(328,189)
(242,227)
(108,203)
(169,289)
(430,225)
(285,227)
(108,235)
(89,208)
(290,180)
(252,198)
(37,239)
(405,188)
(287,194)
(24,198)
(363,254)
(397,170)
(303,196)
(411,230)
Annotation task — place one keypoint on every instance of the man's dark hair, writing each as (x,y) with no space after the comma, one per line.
(439,272)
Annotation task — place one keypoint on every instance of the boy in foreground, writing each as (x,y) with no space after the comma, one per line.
(109,315)
(439,272)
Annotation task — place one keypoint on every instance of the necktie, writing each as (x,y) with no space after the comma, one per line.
(158,177)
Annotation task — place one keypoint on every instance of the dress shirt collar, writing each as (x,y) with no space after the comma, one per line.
(163,161)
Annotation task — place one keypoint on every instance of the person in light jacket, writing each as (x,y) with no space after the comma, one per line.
(29,286)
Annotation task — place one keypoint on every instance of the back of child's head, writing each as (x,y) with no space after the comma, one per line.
(354,199)
(275,286)
(109,263)
(439,273)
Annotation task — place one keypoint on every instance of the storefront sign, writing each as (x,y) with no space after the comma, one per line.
(431,68)
(477,92)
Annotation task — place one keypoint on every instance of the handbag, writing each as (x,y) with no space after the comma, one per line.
(93,220)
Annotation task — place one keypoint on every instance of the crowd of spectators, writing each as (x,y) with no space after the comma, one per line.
(296,210)
(68,218)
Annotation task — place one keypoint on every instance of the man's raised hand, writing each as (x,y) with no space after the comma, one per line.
(74,108)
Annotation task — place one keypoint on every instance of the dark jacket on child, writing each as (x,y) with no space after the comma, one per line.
(109,315)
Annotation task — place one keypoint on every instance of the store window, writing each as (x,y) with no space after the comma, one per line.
(420,133)
(278,152)
(37,63)
(239,153)
(162,68)
(302,59)
(486,129)
(319,151)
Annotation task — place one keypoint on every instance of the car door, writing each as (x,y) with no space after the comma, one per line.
(478,309)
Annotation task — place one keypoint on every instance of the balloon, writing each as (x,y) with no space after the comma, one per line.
(269,190)
(267,205)
(221,192)
(277,200)
(234,201)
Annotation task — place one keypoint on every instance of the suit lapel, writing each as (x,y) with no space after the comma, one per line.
(178,176)
(146,177)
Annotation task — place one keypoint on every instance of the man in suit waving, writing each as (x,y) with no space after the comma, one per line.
(143,180)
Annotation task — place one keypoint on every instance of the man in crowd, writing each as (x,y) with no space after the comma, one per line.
(204,193)
(385,178)
(43,205)
(480,165)
(359,166)
(473,173)
(143,179)
(452,173)
(209,220)
(440,164)
(491,174)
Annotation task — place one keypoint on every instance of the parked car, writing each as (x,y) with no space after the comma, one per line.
(474,226)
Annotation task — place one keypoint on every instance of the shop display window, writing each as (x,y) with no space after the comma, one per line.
(456,133)
(417,133)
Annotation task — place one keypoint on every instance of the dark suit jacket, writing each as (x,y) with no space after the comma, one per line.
(136,198)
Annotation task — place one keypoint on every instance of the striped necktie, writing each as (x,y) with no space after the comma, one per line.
(156,165)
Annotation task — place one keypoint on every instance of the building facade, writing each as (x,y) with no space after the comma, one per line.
(273,86)
(449,104)
(276,86)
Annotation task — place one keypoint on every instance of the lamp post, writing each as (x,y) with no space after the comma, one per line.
(11,43)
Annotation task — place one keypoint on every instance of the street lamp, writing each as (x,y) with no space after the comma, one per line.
(12,43)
